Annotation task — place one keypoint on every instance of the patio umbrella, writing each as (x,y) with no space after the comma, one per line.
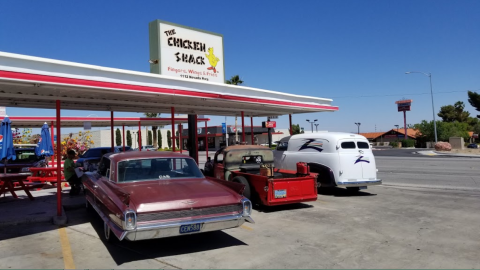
(44,146)
(6,142)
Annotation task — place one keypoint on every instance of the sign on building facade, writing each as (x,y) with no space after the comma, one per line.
(185,52)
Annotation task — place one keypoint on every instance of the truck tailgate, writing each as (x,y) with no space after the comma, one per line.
(291,190)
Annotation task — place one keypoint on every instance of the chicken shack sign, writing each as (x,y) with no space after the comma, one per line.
(185,52)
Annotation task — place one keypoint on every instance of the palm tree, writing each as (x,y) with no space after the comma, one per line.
(235,80)
(154,128)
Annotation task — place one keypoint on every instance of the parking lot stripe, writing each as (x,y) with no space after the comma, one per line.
(246,227)
(66,249)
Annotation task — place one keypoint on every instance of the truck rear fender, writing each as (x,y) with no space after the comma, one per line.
(325,176)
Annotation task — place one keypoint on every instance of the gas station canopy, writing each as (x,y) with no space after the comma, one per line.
(37,121)
(34,82)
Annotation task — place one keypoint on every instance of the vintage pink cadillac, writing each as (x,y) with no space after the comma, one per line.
(145,195)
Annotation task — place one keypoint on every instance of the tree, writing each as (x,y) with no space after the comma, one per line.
(474,100)
(476,128)
(129,138)
(445,130)
(472,122)
(454,113)
(150,138)
(296,129)
(118,137)
(235,80)
(154,129)
(159,138)
(169,138)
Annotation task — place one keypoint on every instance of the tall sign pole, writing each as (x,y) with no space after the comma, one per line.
(404,106)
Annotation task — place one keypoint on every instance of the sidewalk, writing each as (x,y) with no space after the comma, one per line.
(42,209)
(438,153)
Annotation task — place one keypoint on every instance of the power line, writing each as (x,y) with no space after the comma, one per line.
(401,94)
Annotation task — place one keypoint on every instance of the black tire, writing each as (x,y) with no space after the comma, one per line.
(88,206)
(242,180)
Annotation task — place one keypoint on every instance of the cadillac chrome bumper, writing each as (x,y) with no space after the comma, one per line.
(162,230)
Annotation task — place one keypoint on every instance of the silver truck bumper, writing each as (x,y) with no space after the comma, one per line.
(360,183)
(162,230)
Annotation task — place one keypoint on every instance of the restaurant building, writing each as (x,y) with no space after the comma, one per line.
(216,138)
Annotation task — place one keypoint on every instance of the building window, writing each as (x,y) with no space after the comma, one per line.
(211,142)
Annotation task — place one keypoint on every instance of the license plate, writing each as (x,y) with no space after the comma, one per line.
(190,228)
(281,193)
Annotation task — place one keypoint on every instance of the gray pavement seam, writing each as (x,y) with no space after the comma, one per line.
(430,187)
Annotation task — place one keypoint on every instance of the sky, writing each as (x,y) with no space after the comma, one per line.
(354,52)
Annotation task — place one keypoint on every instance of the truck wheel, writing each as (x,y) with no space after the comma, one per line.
(242,180)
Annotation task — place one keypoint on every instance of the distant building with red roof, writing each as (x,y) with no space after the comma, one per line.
(391,135)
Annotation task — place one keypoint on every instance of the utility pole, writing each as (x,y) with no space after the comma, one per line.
(358,127)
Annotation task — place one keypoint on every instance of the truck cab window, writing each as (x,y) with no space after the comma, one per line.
(363,145)
(219,158)
(282,146)
(348,145)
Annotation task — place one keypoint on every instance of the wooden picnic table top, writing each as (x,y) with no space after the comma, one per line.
(43,169)
(13,176)
(7,183)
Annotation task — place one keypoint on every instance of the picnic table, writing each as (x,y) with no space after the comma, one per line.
(7,181)
(45,174)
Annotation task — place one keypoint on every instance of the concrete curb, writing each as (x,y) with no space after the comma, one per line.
(456,155)
(437,153)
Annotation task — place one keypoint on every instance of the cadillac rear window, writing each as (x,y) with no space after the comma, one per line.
(157,169)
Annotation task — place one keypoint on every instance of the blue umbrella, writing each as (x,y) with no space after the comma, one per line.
(6,142)
(44,146)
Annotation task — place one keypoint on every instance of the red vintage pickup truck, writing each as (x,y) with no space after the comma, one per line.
(252,165)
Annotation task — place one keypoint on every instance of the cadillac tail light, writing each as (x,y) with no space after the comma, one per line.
(247,207)
(130,220)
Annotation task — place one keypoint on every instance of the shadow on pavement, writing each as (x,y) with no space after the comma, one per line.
(343,192)
(127,251)
(286,207)
(42,206)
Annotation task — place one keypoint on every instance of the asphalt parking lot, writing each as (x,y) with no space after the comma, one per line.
(383,227)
